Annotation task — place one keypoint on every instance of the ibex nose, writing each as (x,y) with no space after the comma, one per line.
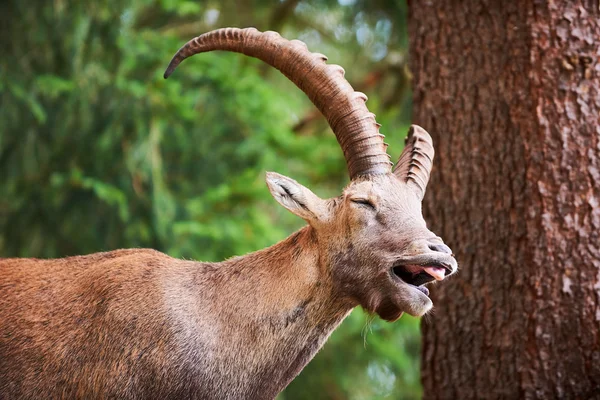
(440,247)
(434,244)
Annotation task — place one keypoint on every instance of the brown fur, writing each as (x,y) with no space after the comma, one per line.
(137,324)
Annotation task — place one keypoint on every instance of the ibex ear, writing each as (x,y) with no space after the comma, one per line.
(295,197)
(415,162)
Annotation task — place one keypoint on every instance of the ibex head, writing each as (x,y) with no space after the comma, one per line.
(373,238)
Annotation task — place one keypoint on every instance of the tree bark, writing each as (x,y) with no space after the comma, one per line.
(510,91)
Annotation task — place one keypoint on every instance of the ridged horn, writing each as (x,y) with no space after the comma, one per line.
(416,160)
(354,126)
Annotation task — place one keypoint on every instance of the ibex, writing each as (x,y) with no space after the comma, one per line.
(138,324)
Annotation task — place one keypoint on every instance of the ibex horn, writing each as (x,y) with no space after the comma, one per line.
(354,126)
(414,165)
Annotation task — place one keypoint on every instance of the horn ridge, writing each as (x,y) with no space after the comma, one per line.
(415,162)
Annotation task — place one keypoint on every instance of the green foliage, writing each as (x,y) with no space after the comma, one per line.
(98,152)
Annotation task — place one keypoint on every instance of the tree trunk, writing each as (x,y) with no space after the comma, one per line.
(510,91)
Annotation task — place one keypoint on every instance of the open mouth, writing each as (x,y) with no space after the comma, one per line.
(419,275)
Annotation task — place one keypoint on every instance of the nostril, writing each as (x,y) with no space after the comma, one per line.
(441,248)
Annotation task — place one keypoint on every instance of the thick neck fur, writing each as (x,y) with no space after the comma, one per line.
(275,309)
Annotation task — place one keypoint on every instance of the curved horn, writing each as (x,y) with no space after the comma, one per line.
(416,160)
(354,126)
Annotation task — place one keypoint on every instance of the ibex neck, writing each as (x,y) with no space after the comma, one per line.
(289,282)
(283,306)
(289,272)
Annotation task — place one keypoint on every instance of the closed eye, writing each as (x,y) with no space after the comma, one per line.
(364,202)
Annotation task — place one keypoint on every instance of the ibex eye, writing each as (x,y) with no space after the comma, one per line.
(364,202)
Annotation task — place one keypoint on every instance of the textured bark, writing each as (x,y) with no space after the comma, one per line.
(510,92)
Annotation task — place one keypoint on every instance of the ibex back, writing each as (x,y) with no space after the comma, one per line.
(138,324)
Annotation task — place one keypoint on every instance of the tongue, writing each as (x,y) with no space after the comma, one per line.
(437,272)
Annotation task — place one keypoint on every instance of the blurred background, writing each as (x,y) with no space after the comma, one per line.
(98,152)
